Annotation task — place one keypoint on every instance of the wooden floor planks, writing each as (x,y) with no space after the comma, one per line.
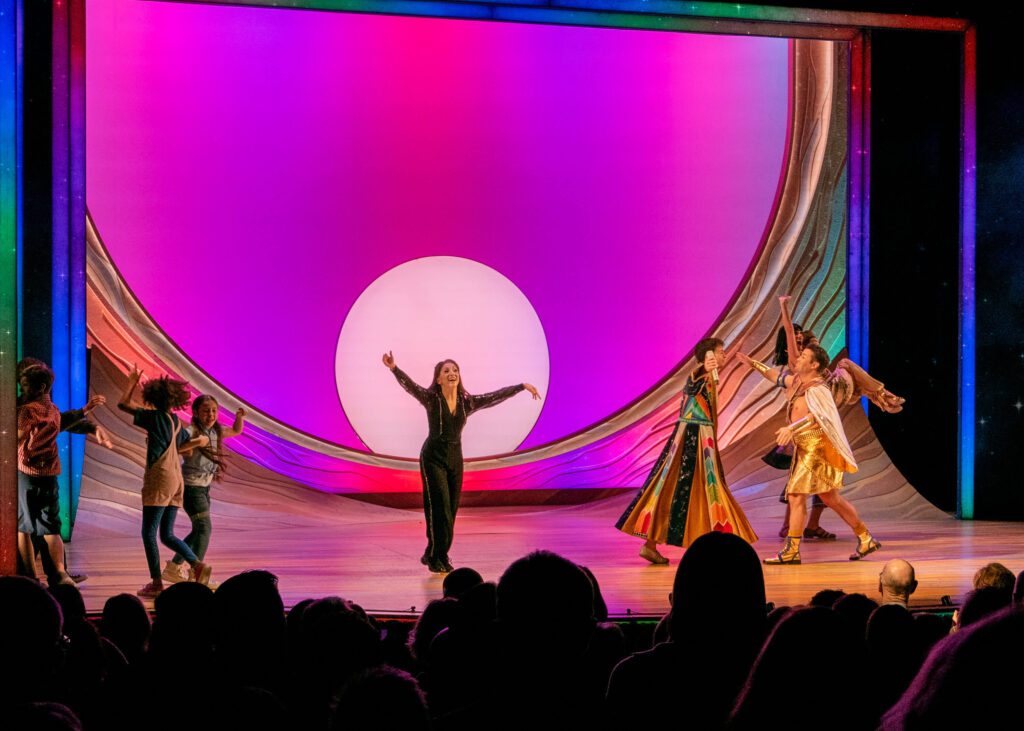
(371,555)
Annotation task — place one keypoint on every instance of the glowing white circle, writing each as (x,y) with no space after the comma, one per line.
(426,310)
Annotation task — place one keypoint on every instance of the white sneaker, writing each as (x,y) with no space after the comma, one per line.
(174,573)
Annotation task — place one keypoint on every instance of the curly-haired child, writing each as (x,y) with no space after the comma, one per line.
(162,484)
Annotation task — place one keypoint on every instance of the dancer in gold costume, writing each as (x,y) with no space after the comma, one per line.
(822,453)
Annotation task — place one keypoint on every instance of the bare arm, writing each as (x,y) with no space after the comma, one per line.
(239,424)
(770,374)
(200,441)
(787,324)
(125,404)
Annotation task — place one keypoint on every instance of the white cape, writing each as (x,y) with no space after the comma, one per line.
(823,408)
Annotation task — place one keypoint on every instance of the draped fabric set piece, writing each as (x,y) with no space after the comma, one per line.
(441,458)
(685,495)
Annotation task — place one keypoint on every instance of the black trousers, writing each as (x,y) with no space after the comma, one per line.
(441,472)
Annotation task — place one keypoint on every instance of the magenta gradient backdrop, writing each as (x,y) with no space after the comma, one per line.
(252,170)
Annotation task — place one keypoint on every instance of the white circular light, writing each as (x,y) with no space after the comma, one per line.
(431,309)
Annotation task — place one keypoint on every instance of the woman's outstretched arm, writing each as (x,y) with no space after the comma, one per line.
(486,400)
(415,390)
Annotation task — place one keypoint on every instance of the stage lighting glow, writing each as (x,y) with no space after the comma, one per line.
(252,171)
(433,308)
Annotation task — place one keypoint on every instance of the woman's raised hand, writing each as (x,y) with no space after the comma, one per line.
(533,391)
(745,359)
(389,360)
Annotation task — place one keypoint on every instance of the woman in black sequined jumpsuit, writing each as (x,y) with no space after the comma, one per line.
(448,406)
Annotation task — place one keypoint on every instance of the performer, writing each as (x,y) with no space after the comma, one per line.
(73,421)
(202,466)
(38,467)
(822,453)
(448,406)
(847,381)
(162,485)
(685,494)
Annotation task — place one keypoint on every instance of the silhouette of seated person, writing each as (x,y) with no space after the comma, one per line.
(783,687)
(971,679)
(717,625)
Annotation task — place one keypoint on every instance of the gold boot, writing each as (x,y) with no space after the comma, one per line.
(790,552)
(867,545)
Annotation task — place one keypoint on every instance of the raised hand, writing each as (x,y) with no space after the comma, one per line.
(710,362)
(241,413)
(93,403)
(389,360)
(745,359)
(533,391)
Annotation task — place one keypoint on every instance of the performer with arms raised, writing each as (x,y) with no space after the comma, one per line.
(448,406)
(685,495)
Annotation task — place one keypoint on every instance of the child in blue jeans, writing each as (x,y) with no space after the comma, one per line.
(202,466)
(162,485)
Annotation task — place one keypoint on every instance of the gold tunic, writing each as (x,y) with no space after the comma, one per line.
(817,466)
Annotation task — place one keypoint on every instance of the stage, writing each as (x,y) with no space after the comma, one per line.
(370,554)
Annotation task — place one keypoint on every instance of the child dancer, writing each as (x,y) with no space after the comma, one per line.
(38,467)
(162,483)
(201,467)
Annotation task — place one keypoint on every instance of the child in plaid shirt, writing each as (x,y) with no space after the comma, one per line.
(38,467)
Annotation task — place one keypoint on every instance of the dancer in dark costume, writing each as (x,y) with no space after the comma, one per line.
(448,406)
(685,495)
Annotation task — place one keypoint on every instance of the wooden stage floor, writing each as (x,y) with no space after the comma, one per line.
(371,554)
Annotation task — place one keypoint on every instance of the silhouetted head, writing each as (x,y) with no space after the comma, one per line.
(971,679)
(546,603)
(459,581)
(826,598)
(804,633)
(31,643)
(126,623)
(980,603)
(719,576)
(72,605)
(382,698)
(856,609)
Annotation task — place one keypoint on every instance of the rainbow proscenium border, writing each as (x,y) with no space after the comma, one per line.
(10,222)
(705,17)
